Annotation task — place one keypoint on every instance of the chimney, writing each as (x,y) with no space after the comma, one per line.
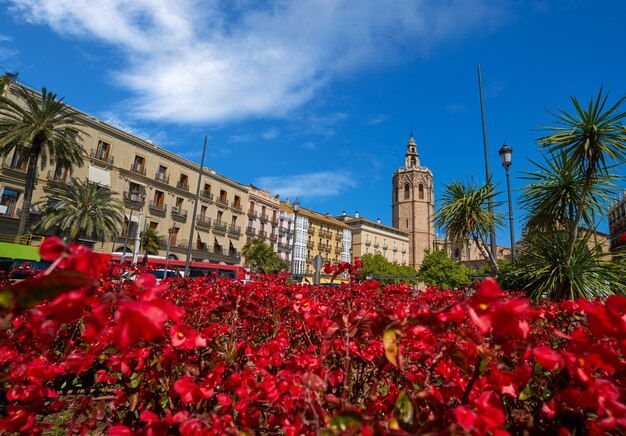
(356,214)
(378,220)
(343,213)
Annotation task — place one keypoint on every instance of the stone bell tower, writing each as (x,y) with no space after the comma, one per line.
(413,204)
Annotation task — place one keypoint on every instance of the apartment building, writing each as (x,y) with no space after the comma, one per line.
(157,188)
(373,237)
(263,216)
(317,234)
(617,222)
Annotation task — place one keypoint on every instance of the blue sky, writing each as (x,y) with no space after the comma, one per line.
(316,98)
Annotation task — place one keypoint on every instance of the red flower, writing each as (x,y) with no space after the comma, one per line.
(464,416)
(18,420)
(143,320)
(67,306)
(547,357)
(183,336)
(189,391)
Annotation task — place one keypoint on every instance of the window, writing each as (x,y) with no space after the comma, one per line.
(223,196)
(16,161)
(233,221)
(175,231)
(407,191)
(183,182)
(457,254)
(159,197)
(237,202)
(179,202)
(104,148)
(138,165)
(407,223)
(203,210)
(207,188)
(420,190)
(220,215)
(162,173)
(61,173)
(153,226)
(8,202)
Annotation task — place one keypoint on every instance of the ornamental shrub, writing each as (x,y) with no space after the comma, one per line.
(215,356)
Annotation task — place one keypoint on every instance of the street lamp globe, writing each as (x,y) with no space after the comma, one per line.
(296,206)
(134,194)
(506,153)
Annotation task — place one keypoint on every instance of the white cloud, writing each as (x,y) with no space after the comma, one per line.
(208,60)
(310,185)
(377,119)
(270,134)
(5,38)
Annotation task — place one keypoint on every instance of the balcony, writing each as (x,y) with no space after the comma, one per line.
(206,195)
(395,249)
(203,221)
(264,218)
(161,177)
(283,246)
(182,185)
(133,198)
(138,169)
(252,213)
(178,213)
(273,236)
(234,230)
(310,244)
(338,236)
(250,231)
(158,206)
(237,207)
(219,226)
(325,233)
(99,156)
(263,234)
(222,202)
(376,244)
(283,230)
(368,242)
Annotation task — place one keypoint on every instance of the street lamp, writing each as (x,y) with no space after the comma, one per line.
(134,195)
(506,153)
(296,208)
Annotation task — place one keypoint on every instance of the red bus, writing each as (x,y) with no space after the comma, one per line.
(196,269)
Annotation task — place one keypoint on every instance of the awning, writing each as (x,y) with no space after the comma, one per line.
(134,218)
(98,175)
(222,241)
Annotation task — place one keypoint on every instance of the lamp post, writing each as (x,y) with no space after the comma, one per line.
(296,208)
(134,195)
(506,153)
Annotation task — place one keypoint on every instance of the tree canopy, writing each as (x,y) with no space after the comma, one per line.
(439,270)
(260,257)
(377,265)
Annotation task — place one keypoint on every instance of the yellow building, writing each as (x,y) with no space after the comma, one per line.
(317,234)
(156,186)
(372,237)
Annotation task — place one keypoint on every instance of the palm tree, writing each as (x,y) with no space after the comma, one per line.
(592,141)
(151,242)
(464,213)
(40,131)
(261,258)
(80,209)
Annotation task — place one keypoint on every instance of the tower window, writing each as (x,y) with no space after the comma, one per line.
(407,194)
(421,191)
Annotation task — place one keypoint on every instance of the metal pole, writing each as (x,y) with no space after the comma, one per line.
(487,170)
(130,220)
(138,235)
(195,211)
(508,185)
(293,245)
(167,251)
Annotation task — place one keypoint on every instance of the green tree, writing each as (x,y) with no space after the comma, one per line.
(261,258)
(439,270)
(80,209)
(377,265)
(464,214)
(151,242)
(567,194)
(41,132)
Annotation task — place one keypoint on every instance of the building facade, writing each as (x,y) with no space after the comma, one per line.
(317,234)
(617,223)
(413,204)
(372,237)
(156,187)
(263,216)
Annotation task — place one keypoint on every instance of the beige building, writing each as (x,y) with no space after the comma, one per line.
(617,222)
(373,237)
(157,188)
(468,254)
(263,216)
(413,204)
(317,234)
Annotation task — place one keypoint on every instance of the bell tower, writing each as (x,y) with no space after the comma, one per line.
(413,204)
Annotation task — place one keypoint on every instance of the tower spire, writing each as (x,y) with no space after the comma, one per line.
(411,159)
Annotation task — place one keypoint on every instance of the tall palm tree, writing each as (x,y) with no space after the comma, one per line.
(40,129)
(464,214)
(80,209)
(261,258)
(592,140)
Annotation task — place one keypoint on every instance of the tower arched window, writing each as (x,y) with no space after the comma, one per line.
(421,191)
(407,193)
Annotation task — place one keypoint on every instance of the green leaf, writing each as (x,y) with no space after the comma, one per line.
(392,351)
(31,291)
(346,421)
(405,410)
